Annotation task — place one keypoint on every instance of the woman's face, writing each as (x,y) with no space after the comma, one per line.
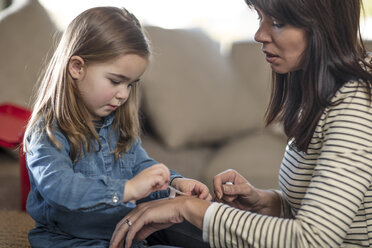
(282,43)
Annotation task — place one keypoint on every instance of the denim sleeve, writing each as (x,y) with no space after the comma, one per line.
(52,176)
(143,161)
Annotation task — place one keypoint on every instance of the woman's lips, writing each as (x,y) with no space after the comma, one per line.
(271,58)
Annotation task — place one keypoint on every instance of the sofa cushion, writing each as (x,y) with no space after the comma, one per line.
(26,33)
(189,162)
(256,157)
(251,65)
(190,92)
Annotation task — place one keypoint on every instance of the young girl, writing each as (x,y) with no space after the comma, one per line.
(86,164)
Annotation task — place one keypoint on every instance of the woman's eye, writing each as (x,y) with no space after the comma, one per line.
(278,24)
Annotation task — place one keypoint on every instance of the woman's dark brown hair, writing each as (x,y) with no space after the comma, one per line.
(335,54)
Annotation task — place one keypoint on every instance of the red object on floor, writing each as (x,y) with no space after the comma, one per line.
(13,121)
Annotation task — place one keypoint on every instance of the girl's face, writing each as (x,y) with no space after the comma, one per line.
(106,86)
(282,43)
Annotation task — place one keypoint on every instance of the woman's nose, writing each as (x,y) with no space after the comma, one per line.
(262,34)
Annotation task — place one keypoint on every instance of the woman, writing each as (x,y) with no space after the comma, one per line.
(322,95)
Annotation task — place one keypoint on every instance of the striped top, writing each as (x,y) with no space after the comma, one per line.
(326,193)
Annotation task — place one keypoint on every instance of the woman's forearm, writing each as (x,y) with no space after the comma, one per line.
(270,203)
(194,210)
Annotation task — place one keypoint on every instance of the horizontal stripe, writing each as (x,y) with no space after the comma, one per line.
(328,189)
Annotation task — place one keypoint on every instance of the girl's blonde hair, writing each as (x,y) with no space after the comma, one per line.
(97,35)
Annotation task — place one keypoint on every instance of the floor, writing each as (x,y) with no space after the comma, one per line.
(9,180)
(14,223)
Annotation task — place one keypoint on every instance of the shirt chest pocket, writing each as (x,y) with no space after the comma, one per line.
(126,164)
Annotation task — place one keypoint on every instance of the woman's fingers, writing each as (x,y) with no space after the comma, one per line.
(147,218)
(221,179)
(124,227)
(118,235)
(237,189)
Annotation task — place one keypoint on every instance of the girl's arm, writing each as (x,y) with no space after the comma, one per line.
(52,176)
(142,162)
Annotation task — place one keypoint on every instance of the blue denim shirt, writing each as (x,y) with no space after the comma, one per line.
(82,200)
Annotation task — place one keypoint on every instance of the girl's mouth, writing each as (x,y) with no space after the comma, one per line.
(112,107)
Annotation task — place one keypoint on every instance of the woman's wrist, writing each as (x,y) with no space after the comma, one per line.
(270,203)
(193,210)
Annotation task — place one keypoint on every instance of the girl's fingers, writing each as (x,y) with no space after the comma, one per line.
(204,193)
(162,169)
(159,183)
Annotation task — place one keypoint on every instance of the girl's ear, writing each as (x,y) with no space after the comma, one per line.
(76,67)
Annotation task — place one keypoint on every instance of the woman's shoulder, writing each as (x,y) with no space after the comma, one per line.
(353,89)
(353,95)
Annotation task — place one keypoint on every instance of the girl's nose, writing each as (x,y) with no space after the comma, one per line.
(123,92)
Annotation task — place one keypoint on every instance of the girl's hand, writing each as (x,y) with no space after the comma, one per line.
(152,179)
(152,216)
(233,189)
(192,187)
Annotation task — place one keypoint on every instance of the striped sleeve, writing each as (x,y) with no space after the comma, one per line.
(231,227)
(332,202)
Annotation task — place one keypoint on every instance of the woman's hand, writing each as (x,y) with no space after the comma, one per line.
(152,216)
(147,181)
(233,189)
(192,187)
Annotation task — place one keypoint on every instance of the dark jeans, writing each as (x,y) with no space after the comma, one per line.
(179,235)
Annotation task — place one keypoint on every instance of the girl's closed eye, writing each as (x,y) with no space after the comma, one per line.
(115,82)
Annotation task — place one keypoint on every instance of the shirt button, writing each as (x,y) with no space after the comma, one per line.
(115,199)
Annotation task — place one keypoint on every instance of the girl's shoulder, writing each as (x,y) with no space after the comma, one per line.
(40,134)
(136,145)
